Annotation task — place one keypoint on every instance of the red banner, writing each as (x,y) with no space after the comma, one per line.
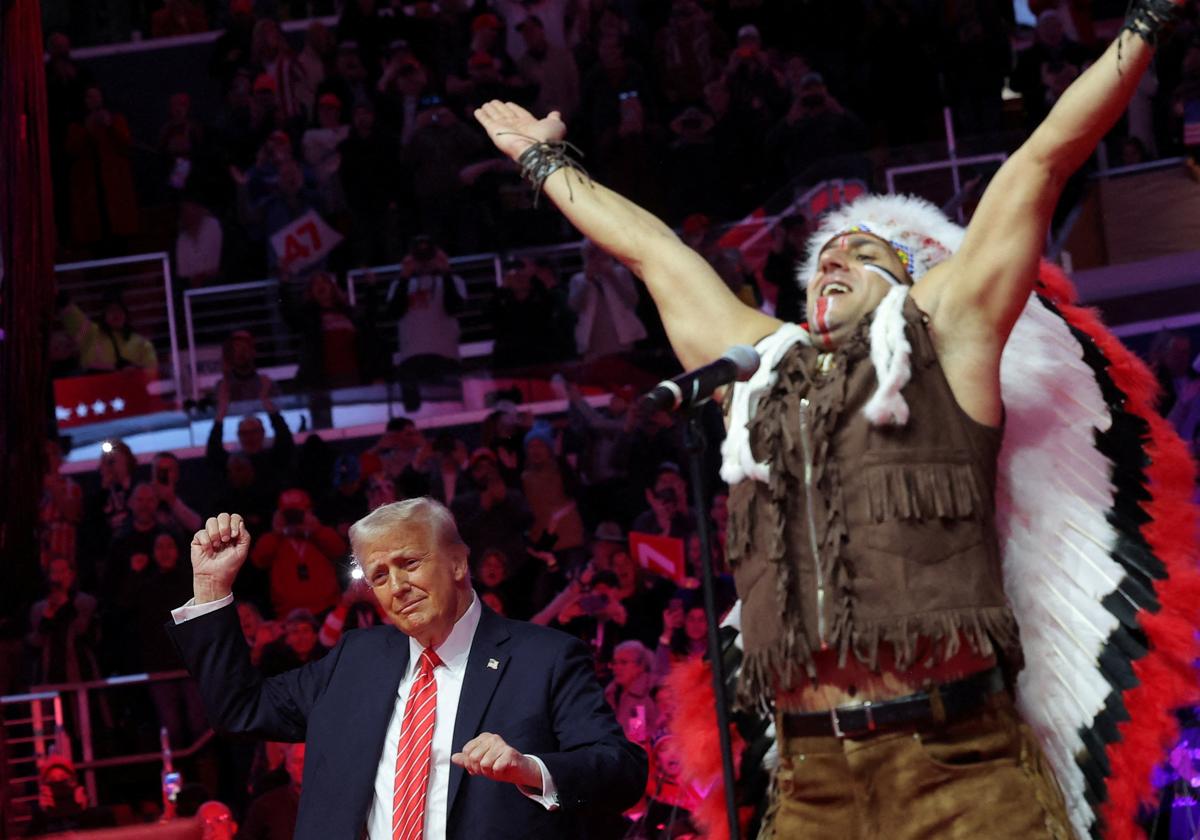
(82,400)
(662,555)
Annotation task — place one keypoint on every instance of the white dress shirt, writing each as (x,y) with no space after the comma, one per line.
(454,652)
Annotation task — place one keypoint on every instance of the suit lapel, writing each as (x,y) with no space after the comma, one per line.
(485,666)
(381,690)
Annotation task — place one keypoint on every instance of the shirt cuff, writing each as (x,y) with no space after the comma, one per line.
(192,610)
(548,796)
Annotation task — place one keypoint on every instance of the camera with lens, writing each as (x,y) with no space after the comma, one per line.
(545,542)
(594,603)
(293,517)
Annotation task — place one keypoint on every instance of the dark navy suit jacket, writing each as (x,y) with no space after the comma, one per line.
(542,698)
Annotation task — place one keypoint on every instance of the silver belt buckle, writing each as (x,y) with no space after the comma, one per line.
(838,732)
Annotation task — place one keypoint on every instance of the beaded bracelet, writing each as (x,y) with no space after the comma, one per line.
(1147,18)
(542,159)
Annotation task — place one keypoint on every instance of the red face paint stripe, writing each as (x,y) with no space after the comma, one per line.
(822,325)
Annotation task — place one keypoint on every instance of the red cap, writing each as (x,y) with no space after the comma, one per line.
(294,499)
(481,59)
(265,82)
(329,100)
(487,20)
(482,454)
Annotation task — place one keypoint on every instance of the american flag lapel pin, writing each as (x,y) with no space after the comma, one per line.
(493,664)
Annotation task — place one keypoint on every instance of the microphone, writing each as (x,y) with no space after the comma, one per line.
(695,387)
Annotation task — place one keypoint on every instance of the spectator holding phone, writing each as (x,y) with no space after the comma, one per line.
(668,500)
(173,511)
(629,691)
(425,300)
(440,148)
(590,609)
(493,515)
(299,555)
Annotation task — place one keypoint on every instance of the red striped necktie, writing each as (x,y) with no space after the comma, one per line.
(412,759)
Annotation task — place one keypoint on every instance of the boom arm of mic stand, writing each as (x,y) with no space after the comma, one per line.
(694,442)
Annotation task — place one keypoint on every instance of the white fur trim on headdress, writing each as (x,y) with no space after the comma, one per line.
(919,232)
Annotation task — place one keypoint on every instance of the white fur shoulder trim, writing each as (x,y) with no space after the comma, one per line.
(737,461)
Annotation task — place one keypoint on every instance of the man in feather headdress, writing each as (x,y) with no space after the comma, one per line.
(876,554)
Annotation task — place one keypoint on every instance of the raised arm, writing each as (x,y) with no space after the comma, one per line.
(979,293)
(702,317)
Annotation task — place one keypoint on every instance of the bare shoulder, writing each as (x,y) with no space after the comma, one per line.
(968,353)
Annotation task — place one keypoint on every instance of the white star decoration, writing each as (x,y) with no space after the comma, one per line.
(64,413)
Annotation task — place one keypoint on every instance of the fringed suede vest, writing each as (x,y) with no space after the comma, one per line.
(864,535)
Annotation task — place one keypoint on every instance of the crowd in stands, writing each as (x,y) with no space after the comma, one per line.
(685,106)
(361,131)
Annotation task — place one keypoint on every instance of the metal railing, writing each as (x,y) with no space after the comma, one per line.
(211,313)
(148,293)
(80,693)
(33,730)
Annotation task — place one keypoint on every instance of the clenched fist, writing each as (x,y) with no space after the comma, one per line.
(218,550)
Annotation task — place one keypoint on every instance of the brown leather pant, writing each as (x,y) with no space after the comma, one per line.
(979,777)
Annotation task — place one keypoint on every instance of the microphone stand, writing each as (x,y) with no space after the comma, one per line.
(695,443)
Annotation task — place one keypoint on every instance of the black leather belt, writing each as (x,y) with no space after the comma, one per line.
(945,702)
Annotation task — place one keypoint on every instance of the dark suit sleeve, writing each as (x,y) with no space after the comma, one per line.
(597,767)
(237,697)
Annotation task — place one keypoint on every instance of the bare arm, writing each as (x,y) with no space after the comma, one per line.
(702,317)
(979,293)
